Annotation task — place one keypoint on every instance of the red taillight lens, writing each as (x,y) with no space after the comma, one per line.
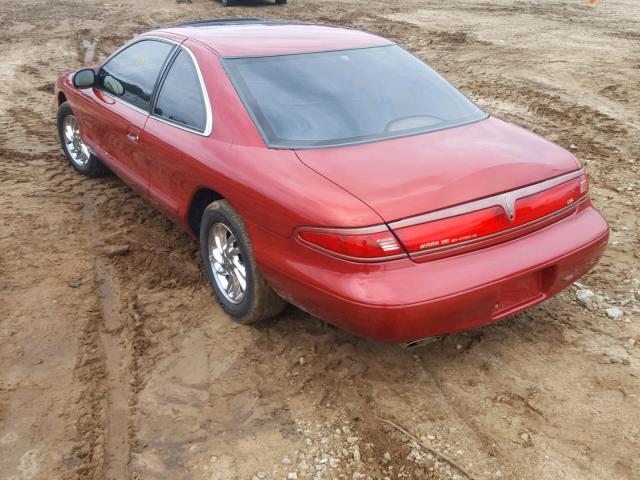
(353,244)
(544,203)
(483,224)
(453,230)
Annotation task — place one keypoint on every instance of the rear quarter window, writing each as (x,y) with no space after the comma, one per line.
(181,99)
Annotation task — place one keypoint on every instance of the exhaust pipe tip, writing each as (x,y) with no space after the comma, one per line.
(421,342)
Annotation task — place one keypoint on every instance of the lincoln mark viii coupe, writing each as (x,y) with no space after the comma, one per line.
(332,169)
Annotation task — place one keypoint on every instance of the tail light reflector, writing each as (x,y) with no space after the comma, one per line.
(489,222)
(356,244)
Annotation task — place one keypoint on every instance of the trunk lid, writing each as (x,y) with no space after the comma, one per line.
(413,175)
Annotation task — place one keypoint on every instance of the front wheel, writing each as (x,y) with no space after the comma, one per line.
(76,151)
(281,2)
(228,259)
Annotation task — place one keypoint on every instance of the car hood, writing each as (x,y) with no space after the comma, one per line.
(412,175)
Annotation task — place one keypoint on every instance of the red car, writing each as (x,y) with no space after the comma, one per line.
(330,168)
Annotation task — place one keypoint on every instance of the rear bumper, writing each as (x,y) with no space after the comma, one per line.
(402,300)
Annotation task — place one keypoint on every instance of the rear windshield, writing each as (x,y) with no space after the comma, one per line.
(349,96)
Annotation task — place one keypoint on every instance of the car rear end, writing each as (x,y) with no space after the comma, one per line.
(478,218)
(412,296)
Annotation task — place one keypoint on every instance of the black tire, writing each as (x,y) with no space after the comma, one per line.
(281,2)
(93,166)
(259,301)
(228,3)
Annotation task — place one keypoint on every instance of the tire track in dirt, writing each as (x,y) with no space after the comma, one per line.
(86,458)
(37,221)
(117,386)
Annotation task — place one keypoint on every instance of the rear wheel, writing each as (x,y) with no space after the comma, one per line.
(228,3)
(76,151)
(228,259)
(281,2)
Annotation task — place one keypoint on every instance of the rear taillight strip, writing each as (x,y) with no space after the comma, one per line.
(490,239)
(505,200)
(470,223)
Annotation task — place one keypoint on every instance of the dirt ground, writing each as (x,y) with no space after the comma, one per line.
(115,362)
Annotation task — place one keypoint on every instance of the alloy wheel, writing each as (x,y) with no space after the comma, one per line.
(77,149)
(226,261)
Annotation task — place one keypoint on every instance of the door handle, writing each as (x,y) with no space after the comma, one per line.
(134,137)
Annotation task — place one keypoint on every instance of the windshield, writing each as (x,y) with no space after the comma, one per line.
(348,96)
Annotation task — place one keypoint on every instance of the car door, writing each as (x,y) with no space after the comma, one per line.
(177,133)
(124,88)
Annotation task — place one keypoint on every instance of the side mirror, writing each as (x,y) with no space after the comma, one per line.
(84,78)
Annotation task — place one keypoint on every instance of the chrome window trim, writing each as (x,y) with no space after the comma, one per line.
(505,200)
(133,42)
(203,87)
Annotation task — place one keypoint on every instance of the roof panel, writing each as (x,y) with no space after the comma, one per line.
(239,38)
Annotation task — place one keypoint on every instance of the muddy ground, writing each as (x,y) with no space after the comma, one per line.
(121,366)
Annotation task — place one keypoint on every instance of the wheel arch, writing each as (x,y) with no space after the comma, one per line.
(200,200)
(61,98)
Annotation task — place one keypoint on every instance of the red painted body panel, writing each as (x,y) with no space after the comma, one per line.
(105,126)
(411,175)
(277,191)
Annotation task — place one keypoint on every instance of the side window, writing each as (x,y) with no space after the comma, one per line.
(132,73)
(181,99)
